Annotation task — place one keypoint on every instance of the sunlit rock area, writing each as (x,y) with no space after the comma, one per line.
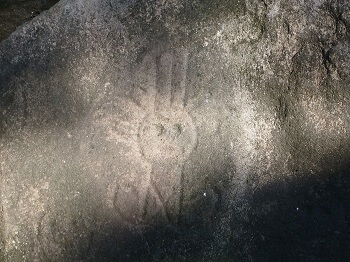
(173,130)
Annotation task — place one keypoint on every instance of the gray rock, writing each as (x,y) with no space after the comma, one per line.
(177,130)
(13,13)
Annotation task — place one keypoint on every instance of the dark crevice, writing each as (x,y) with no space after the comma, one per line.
(326,60)
(326,51)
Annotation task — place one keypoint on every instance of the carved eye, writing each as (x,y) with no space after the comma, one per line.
(160,129)
(178,127)
(176,130)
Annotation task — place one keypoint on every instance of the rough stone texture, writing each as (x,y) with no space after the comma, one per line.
(177,131)
(13,13)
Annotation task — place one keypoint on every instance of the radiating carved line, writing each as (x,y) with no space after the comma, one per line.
(161,199)
(160,88)
(179,77)
(182,195)
(145,205)
(144,89)
(164,79)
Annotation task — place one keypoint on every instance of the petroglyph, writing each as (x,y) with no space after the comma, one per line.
(166,136)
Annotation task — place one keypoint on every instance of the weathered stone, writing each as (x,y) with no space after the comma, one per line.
(13,13)
(177,130)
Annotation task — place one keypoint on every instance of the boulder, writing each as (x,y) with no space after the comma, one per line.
(177,131)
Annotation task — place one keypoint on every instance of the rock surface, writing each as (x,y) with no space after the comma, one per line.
(13,13)
(177,131)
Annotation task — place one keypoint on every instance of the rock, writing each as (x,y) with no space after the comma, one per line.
(176,130)
(13,13)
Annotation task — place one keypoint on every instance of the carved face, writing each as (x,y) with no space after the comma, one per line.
(167,135)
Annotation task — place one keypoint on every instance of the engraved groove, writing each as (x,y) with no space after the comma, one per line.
(161,199)
(179,78)
(164,79)
(165,134)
